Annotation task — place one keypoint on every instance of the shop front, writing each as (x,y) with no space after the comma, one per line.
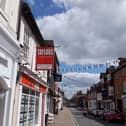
(31,102)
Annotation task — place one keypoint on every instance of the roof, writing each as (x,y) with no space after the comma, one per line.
(27,14)
(57,60)
(119,68)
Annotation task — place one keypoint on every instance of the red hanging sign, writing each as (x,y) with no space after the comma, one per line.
(44,58)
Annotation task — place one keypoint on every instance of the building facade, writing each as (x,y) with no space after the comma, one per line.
(120,84)
(31,86)
(9,56)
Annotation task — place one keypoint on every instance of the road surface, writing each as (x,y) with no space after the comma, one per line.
(90,120)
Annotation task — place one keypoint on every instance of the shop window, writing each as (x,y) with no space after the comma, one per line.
(2,4)
(29,111)
(37,111)
(37,94)
(25,90)
(32,92)
(118,89)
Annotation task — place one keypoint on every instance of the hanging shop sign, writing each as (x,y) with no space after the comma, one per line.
(58,77)
(44,58)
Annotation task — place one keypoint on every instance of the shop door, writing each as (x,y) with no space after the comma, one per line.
(2,103)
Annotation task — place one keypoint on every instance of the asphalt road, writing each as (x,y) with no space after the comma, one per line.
(90,120)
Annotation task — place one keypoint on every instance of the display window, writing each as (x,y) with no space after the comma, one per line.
(29,108)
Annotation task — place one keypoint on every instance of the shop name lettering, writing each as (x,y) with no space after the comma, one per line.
(4,62)
(45,52)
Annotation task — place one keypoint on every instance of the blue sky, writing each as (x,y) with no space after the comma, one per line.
(42,8)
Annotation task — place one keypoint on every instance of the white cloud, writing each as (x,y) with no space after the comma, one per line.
(78,81)
(89,31)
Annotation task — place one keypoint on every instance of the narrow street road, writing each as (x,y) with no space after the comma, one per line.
(90,120)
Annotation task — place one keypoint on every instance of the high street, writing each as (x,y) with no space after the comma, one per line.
(90,120)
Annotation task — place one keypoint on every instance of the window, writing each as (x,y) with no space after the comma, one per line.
(26,43)
(110,91)
(118,89)
(37,111)
(108,76)
(2,4)
(29,111)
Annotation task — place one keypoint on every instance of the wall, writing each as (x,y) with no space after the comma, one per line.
(9,15)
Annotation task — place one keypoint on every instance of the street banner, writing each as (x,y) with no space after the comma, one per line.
(44,58)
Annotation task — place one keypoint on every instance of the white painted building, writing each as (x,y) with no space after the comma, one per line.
(31,90)
(9,54)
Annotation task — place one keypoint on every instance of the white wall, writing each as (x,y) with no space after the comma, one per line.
(9,51)
(9,15)
(32,50)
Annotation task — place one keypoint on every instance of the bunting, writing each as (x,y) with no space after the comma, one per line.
(87,67)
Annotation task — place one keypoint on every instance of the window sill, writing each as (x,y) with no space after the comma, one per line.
(3,14)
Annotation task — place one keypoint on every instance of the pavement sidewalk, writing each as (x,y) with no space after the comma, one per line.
(64,118)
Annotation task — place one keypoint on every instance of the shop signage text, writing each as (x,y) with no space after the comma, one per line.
(44,58)
(31,83)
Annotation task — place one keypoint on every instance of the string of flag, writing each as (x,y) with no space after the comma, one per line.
(85,67)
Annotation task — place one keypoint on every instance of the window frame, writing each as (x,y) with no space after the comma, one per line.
(31,108)
(26,43)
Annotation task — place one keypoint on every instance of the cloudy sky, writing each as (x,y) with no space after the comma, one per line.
(87,31)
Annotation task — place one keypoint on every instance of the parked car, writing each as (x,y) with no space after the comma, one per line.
(115,116)
(85,111)
(105,113)
(93,112)
(99,112)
